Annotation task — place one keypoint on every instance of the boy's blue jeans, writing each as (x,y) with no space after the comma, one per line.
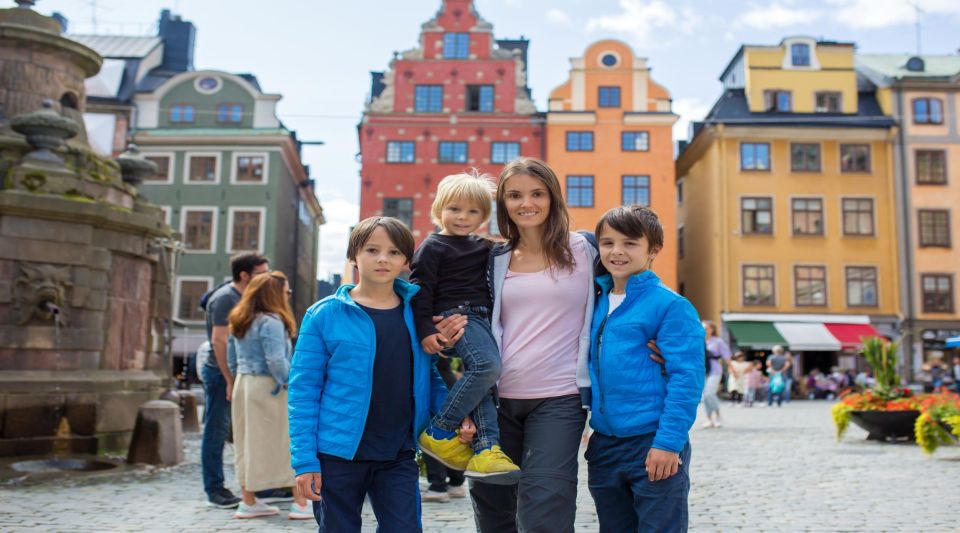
(472,394)
(625,497)
(216,427)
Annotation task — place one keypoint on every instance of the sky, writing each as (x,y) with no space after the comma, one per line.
(318,54)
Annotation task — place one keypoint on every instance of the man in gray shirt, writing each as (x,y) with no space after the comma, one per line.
(777,363)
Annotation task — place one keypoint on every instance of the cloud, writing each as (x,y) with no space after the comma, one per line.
(776,15)
(640,19)
(558,16)
(340,214)
(690,110)
(873,14)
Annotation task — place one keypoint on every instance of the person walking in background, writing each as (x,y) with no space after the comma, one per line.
(444,483)
(217,378)
(955,372)
(717,355)
(752,382)
(789,376)
(738,369)
(777,366)
(261,327)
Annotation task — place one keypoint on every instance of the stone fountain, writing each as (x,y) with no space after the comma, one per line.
(85,263)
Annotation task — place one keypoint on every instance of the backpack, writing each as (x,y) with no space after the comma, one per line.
(205,299)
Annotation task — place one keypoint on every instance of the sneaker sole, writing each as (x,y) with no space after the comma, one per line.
(443,461)
(301,517)
(494,478)
(222,505)
(254,515)
(276,500)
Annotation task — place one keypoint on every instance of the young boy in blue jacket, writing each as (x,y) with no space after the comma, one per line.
(361,390)
(641,409)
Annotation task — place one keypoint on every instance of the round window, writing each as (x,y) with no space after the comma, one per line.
(608,60)
(208,84)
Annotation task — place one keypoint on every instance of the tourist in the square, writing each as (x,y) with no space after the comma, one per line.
(261,328)
(542,283)
(739,367)
(955,372)
(777,366)
(217,378)
(789,374)
(361,390)
(450,267)
(752,382)
(717,356)
(936,371)
(639,453)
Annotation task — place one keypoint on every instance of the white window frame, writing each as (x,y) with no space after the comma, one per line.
(184,209)
(846,299)
(186,167)
(176,297)
(231,211)
(235,167)
(170,167)
(167,213)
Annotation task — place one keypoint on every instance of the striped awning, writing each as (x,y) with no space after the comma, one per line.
(799,332)
(755,335)
(808,336)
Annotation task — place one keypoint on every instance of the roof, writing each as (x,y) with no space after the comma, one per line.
(894,66)
(732,108)
(740,50)
(119,46)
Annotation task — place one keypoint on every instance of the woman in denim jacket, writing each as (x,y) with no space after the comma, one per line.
(259,352)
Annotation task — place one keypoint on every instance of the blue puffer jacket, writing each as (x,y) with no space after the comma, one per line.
(331,378)
(632,394)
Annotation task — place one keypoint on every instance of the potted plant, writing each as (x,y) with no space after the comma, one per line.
(939,421)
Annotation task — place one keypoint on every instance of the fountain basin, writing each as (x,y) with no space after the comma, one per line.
(57,464)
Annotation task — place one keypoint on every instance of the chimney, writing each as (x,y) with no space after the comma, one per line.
(178,37)
(61,20)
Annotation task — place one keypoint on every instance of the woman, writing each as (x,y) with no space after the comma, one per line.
(718,354)
(542,282)
(737,380)
(261,326)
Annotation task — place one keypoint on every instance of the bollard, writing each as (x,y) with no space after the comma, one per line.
(157,435)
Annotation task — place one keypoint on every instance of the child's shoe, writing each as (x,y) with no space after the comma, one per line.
(256,510)
(451,452)
(493,466)
(301,513)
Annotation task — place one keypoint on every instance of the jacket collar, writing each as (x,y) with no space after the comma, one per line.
(404,289)
(636,282)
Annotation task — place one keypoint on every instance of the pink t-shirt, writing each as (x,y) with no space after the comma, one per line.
(541,319)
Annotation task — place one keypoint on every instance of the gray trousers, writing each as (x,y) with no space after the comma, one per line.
(543,438)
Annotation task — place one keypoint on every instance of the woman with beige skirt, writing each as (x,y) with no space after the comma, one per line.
(261,326)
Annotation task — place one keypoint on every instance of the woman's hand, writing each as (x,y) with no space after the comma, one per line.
(661,464)
(309,485)
(450,328)
(657,358)
(468,430)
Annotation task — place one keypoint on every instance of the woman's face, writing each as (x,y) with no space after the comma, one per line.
(527,201)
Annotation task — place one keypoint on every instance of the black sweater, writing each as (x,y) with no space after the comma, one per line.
(451,270)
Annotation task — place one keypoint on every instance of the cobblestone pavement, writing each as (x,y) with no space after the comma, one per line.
(768,469)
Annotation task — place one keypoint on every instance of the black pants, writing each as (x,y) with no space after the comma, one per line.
(543,438)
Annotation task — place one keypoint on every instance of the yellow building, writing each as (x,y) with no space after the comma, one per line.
(923,93)
(786,206)
(610,140)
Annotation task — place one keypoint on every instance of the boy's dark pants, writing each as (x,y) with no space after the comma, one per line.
(392,486)
(625,497)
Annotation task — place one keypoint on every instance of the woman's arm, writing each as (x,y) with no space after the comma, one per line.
(273,340)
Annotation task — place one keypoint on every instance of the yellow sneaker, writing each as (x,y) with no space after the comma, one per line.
(494,467)
(451,452)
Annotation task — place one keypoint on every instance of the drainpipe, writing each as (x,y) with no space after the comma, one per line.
(902,187)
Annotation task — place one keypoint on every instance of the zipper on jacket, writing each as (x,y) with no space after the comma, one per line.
(603,324)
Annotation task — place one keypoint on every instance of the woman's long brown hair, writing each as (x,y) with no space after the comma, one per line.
(266,293)
(555,237)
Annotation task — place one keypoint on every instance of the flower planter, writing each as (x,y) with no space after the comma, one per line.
(887,426)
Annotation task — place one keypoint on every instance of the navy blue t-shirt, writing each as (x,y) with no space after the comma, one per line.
(389,427)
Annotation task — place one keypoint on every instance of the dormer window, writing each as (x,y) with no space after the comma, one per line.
(456,45)
(800,54)
(777,100)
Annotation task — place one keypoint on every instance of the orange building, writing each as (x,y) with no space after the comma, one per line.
(610,140)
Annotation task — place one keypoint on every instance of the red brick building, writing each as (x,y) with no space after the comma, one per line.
(457,101)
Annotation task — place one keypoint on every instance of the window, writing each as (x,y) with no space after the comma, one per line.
(579,141)
(580,191)
(609,97)
(399,208)
(202,169)
(198,225)
(758,285)
(246,229)
(635,141)
(810,285)
(480,98)
(756,215)
(250,168)
(163,166)
(804,157)
(181,113)
(456,45)
(229,113)
(861,286)
(189,291)
(401,152)
(680,242)
(453,152)
(428,99)
(934,227)
(931,167)
(855,158)
(807,216)
(609,60)
(755,156)
(636,190)
(827,102)
(800,55)
(857,216)
(927,111)
(504,152)
(679,192)
(776,100)
(937,293)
